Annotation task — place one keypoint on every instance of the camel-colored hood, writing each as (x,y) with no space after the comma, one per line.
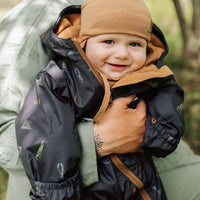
(68,26)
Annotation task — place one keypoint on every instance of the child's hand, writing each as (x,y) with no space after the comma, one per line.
(121,129)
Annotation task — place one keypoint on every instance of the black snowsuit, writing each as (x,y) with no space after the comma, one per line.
(69,90)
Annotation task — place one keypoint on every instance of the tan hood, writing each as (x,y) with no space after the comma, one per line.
(70,27)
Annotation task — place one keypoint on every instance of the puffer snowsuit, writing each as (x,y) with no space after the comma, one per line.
(69,90)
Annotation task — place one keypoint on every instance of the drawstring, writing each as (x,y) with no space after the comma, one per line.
(134,179)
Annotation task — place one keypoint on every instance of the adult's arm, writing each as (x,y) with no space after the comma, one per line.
(179,173)
(20,50)
(121,129)
(114,133)
(22,56)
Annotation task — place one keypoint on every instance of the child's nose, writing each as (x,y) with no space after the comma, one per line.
(121,52)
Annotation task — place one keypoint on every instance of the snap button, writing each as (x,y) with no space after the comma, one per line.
(153,120)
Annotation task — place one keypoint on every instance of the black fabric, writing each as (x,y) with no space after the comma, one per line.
(164,100)
(65,92)
(113,183)
(46,127)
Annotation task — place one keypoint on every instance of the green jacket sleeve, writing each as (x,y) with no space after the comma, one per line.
(88,163)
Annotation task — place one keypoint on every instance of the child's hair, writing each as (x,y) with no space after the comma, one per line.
(114,16)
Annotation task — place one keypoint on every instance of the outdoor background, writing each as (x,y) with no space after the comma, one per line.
(187,74)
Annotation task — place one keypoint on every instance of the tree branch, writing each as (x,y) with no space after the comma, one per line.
(181,18)
(196,16)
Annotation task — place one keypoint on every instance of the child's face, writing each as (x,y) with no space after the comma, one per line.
(116,54)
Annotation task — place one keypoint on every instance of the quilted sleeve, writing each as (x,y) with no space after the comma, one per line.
(165,117)
(48,140)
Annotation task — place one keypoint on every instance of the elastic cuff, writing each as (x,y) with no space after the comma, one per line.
(65,190)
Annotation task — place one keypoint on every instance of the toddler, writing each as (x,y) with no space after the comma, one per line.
(108,50)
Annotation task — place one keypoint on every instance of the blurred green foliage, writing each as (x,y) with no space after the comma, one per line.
(163,14)
(188,78)
(3,183)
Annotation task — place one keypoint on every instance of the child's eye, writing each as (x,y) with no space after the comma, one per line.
(108,41)
(134,44)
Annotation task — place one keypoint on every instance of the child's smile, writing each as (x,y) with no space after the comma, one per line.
(116,54)
(117,67)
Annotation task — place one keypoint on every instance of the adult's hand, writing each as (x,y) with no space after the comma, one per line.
(121,129)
